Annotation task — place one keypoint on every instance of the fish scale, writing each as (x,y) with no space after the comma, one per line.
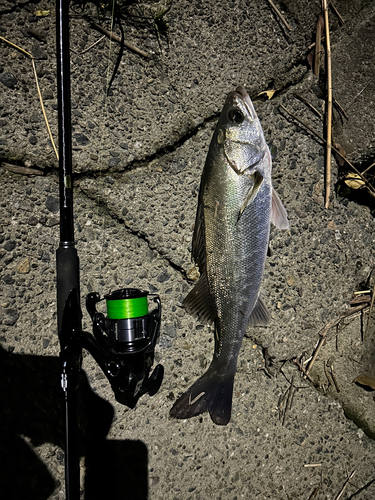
(235,208)
(240,281)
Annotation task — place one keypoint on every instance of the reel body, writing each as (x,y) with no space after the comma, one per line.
(126,340)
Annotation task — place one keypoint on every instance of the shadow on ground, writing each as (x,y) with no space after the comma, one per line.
(32,413)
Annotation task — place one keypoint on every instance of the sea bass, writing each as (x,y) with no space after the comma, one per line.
(236,205)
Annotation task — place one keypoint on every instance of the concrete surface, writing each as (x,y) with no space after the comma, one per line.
(138,155)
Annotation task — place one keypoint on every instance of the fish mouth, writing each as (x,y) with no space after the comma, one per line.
(241,92)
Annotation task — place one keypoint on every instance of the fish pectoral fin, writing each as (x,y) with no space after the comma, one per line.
(279,217)
(260,315)
(253,191)
(199,301)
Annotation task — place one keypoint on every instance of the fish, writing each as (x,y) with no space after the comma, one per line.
(236,206)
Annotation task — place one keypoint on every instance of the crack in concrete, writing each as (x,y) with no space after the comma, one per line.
(141,235)
(170,148)
(291,82)
(164,150)
(159,153)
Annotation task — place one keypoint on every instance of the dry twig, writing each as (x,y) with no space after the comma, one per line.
(295,361)
(43,110)
(27,54)
(368,168)
(312,45)
(280,403)
(330,366)
(305,101)
(369,316)
(361,297)
(323,332)
(359,93)
(279,14)
(329,106)
(116,38)
(337,12)
(362,489)
(88,48)
(17,169)
(289,400)
(340,108)
(345,485)
(24,52)
(368,184)
(314,493)
(327,375)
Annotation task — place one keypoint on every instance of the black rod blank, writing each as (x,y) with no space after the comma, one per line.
(65,129)
(66,256)
(67,262)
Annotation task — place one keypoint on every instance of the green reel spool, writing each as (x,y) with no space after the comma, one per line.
(127,303)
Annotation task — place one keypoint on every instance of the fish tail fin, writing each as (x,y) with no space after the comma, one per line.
(212,392)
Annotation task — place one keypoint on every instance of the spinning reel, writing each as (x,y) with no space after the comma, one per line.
(126,340)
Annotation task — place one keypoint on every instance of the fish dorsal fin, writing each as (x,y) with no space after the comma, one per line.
(260,315)
(198,244)
(279,217)
(199,301)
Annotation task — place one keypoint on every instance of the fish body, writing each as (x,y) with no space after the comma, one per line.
(235,208)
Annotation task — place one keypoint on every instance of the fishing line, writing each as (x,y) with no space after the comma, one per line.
(127,303)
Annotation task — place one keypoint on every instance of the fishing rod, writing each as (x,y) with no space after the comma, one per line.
(122,342)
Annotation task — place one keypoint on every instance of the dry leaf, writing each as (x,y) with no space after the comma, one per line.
(193,274)
(269,93)
(320,24)
(340,161)
(42,13)
(365,380)
(310,57)
(318,45)
(353,181)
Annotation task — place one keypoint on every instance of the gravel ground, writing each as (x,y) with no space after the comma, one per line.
(138,156)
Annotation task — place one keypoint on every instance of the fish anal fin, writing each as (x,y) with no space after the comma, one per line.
(260,315)
(279,217)
(199,301)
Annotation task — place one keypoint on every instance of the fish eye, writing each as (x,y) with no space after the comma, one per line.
(235,115)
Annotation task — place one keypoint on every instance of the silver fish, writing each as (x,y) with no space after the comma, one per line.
(236,205)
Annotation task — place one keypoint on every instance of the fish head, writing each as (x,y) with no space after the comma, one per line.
(239,135)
